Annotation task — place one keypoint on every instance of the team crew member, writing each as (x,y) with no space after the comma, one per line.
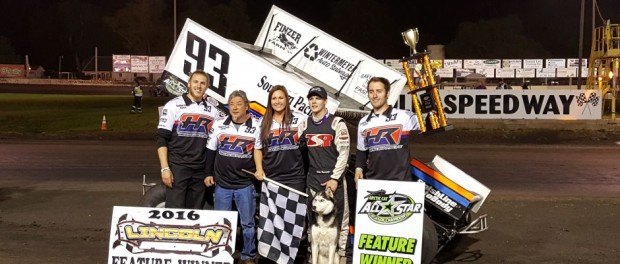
(327,138)
(382,137)
(181,139)
(229,150)
(277,153)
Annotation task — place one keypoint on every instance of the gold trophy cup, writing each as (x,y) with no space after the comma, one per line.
(424,93)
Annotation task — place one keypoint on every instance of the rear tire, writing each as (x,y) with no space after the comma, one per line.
(155,197)
(429,241)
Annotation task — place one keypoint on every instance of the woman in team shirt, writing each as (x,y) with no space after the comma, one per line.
(277,153)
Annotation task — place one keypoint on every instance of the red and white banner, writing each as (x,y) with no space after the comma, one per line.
(12,71)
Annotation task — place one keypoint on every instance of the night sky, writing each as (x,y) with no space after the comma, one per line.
(552,23)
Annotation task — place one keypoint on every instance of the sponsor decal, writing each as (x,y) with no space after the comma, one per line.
(320,140)
(383,137)
(363,80)
(443,202)
(194,125)
(286,37)
(298,103)
(329,60)
(283,140)
(389,209)
(236,146)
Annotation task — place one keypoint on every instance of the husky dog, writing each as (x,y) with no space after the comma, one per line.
(324,231)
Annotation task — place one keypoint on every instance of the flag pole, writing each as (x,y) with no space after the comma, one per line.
(278,184)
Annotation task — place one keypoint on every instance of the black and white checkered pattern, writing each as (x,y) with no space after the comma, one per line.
(281,223)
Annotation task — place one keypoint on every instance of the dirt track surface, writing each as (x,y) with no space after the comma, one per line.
(549,203)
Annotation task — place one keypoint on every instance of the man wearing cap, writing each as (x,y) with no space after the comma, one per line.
(327,139)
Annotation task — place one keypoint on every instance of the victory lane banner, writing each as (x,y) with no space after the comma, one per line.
(230,68)
(171,236)
(388,222)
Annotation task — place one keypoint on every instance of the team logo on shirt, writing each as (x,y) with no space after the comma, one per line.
(236,146)
(319,140)
(283,140)
(384,137)
(194,125)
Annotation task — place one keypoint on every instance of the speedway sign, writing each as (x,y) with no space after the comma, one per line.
(170,236)
(230,68)
(388,222)
(324,57)
(518,104)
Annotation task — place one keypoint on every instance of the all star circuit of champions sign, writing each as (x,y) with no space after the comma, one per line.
(142,235)
(388,222)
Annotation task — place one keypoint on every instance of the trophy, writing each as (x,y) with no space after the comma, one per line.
(424,93)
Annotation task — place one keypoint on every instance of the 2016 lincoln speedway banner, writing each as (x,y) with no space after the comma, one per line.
(140,235)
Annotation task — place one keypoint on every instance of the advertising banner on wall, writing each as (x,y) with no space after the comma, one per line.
(504,73)
(121,63)
(574,63)
(445,73)
(519,104)
(165,235)
(389,213)
(566,72)
(230,68)
(324,57)
(533,64)
(139,64)
(12,70)
(452,64)
(555,63)
(489,73)
(512,64)
(157,64)
(545,73)
(525,73)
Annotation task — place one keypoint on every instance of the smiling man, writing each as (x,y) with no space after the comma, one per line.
(229,151)
(383,137)
(181,140)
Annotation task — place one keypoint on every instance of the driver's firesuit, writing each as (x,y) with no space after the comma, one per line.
(328,143)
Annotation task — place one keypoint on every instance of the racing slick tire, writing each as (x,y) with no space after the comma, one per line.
(156,197)
(429,241)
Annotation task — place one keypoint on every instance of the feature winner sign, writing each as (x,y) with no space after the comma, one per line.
(388,222)
(324,57)
(230,68)
(141,235)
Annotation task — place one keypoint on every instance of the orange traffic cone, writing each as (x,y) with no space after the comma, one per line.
(104,124)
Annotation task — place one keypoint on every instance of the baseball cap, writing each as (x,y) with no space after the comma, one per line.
(318,91)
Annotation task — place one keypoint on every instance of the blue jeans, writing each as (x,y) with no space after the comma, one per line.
(245,201)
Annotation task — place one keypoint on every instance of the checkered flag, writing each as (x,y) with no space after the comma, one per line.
(281,223)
